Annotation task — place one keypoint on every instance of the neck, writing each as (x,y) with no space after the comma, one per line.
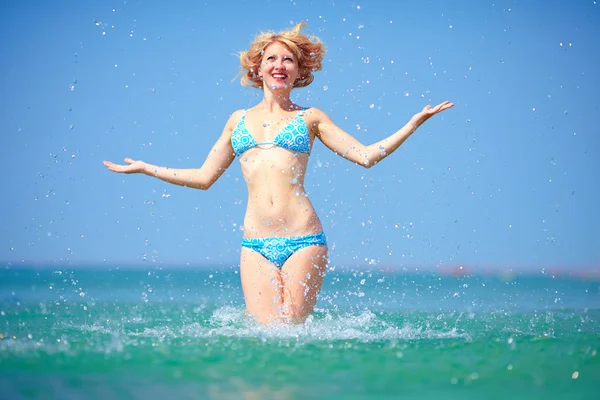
(276,100)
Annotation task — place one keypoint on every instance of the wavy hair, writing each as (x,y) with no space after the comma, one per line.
(309,52)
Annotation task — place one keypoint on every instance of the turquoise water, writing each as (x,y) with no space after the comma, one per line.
(182,333)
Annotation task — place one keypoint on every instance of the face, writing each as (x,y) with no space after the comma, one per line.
(279,67)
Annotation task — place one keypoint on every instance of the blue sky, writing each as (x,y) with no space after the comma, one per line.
(508,178)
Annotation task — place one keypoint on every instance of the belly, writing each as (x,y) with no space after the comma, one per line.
(277,202)
(277,214)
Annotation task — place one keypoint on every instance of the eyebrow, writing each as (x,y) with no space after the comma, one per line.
(267,55)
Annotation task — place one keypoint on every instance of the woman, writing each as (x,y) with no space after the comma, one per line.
(284,249)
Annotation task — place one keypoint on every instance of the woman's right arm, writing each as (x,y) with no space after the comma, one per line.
(218,160)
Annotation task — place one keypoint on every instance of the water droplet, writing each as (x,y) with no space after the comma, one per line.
(367,60)
(325,87)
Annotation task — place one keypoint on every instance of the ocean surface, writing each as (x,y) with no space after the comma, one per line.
(181,333)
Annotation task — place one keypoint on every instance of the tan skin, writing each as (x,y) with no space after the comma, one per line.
(277,204)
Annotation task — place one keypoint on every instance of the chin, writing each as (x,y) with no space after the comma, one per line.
(281,86)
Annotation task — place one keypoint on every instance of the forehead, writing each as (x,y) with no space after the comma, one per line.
(277,48)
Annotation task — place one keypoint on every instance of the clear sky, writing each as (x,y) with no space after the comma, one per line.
(508,178)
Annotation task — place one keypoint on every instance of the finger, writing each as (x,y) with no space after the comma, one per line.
(129,161)
(444,106)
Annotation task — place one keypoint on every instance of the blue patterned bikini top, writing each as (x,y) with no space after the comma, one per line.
(294,136)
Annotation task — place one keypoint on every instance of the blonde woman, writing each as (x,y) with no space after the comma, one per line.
(284,250)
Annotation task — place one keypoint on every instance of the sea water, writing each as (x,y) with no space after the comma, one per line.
(152,332)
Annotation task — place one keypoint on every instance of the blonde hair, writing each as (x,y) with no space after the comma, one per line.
(309,52)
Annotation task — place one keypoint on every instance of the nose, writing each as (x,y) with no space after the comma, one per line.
(279,63)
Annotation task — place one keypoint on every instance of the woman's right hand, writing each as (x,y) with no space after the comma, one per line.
(429,111)
(133,167)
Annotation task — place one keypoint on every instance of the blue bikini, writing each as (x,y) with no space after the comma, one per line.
(278,249)
(294,137)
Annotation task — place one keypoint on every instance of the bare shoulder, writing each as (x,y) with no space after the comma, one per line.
(314,116)
(236,116)
(315,113)
(234,119)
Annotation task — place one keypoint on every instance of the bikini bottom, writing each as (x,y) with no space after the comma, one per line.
(278,249)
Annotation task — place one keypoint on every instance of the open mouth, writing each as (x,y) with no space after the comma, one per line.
(280,76)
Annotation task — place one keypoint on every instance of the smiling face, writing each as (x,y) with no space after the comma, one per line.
(279,67)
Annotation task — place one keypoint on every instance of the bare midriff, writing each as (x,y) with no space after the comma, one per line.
(278,205)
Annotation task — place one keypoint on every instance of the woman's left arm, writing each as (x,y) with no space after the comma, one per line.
(350,148)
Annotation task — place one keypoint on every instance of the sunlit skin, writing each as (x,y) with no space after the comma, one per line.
(277,204)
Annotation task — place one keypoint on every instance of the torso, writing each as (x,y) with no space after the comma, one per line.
(278,205)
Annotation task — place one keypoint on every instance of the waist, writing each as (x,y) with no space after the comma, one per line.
(297,222)
(316,238)
(278,204)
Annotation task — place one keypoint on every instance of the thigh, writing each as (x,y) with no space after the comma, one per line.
(302,276)
(262,286)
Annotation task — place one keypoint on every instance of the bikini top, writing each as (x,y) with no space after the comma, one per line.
(294,136)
